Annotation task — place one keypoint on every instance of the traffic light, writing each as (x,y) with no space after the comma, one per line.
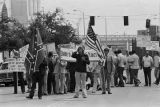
(92,21)
(148,23)
(125,20)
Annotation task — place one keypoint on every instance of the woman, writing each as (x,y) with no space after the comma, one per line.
(60,71)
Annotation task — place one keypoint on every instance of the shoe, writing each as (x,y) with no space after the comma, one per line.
(23,92)
(156,83)
(75,96)
(45,94)
(145,85)
(109,93)
(103,92)
(40,98)
(29,97)
(150,85)
(93,92)
(85,96)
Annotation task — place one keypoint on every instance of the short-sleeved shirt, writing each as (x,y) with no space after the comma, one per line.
(134,61)
(156,61)
(147,61)
(121,60)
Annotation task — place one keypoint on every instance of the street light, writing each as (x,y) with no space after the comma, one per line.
(83,19)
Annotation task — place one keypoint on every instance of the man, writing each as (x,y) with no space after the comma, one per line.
(129,67)
(71,67)
(147,63)
(106,72)
(134,66)
(51,76)
(16,54)
(90,76)
(60,71)
(82,60)
(38,76)
(121,65)
(156,62)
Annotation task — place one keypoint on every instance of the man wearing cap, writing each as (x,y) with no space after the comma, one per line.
(107,71)
(82,60)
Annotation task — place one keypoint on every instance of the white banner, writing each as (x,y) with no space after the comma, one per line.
(23,51)
(16,65)
(142,41)
(152,45)
(66,54)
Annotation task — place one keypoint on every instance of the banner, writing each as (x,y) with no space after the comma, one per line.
(66,54)
(16,65)
(142,41)
(152,45)
(23,51)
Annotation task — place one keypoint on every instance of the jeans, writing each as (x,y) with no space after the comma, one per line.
(147,75)
(134,73)
(51,83)
(60,82)
(37,77)
(45,83)
(96,76)
(106,77)
(80,82)
(120,75)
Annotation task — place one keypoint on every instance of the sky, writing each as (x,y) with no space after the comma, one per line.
(114,10)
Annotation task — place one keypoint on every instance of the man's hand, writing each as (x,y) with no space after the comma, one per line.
(83,58)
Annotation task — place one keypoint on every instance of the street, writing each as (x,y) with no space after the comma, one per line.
(128,96)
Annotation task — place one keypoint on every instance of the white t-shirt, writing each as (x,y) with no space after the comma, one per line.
(147,61)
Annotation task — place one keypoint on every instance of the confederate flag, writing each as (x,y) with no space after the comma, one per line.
(35,54)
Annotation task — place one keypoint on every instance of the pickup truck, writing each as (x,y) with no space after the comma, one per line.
(6,77)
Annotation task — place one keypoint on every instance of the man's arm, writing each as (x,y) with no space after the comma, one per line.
(74,55)
(87,60)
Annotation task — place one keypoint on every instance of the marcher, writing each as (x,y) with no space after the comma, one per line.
(71,67)
(156,63)
(106,72)
(121,65)
(38,76)
(97,75)
(60,71)
(20,75)
(129,68)
(82,60)
(147,62)
(51,84)
(90,74)
(134,66)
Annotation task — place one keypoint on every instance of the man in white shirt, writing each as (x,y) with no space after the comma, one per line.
(121,65)
(134,65)
(156,62)
(147,62)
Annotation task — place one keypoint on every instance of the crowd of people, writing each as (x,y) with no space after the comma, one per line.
(56,76)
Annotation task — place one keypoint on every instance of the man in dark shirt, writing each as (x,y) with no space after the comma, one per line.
(81,61)
(38,76)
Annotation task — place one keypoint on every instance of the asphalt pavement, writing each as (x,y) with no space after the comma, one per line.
(128,96)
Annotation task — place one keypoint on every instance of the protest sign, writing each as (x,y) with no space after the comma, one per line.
(16,65)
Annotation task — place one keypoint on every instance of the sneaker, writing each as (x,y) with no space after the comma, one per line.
(103,92)
(40,98)
(93,92)
(109,93)
(84,96)
(75,96)
(29,97)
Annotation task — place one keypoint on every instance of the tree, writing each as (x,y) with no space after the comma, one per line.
(13,34)
(54,28)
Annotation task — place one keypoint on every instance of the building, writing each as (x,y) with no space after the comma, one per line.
(22,10)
